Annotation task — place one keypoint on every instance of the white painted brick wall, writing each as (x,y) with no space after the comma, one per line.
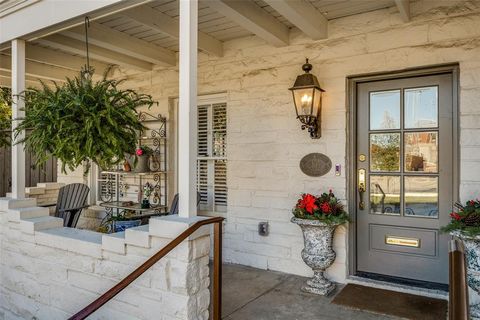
(265,143)
(52,274)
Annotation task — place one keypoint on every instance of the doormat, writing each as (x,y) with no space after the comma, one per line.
(385,302)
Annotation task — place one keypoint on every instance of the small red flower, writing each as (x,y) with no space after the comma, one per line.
(308,203)
(455,216)
(326,208)
(139,152)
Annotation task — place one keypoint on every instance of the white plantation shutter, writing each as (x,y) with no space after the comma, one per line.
(107,186)
(212,156)
(220,185)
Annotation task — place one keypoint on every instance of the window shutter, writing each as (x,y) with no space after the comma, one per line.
(211,156)
(220,183)
(219,130)
(202,182)
(203,131)
(107,186)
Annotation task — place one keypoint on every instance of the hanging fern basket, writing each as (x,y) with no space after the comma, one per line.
(82,121)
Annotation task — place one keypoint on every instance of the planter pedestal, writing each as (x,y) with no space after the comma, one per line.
(317,254)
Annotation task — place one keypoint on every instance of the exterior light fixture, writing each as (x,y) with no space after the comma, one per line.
(307,96)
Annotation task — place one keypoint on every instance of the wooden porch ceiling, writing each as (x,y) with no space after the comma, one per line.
(146,36)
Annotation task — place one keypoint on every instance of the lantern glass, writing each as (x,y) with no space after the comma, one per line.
(317,102)
(304,101)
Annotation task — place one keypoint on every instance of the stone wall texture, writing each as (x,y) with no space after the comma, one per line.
(265,143)
(48,272)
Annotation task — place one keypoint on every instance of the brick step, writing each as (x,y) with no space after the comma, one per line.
(40,223)
(27,213)
(138,236)
(114,242)
(7,203)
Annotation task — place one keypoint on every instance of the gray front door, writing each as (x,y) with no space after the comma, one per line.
(404,177)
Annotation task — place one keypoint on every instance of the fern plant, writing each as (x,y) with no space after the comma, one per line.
(5,117)
(82,121)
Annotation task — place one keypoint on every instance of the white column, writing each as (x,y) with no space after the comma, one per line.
(18,86)
(187,110)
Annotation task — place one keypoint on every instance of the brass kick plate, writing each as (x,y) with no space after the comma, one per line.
(404,242)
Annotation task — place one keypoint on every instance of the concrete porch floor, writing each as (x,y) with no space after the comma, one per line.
(252,294)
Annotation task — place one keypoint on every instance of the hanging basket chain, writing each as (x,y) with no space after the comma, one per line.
(87,25)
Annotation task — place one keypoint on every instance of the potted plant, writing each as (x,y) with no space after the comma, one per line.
(147,191)
(124,220)
(465,225)
(82,121)
(143,154)
(5,118)
(318,217)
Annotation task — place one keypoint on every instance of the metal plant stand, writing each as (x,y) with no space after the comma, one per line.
(116,182)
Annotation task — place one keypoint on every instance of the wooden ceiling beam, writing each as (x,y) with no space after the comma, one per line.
(303,15)
(38,70)
(163,23)
(75,46)
(253,18)
(121,42)
(59,59)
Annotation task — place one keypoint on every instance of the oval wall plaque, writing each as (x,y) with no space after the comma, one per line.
(315,164)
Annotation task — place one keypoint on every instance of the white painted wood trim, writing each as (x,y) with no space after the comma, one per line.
(163,23)
(253,18)
(67,44)
(303,15)
(37,70)
(60,59)
(46,13)
(121,42)
(18,86)
(404,9)
(187,113)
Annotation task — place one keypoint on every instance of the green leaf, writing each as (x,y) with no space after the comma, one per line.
(82,120)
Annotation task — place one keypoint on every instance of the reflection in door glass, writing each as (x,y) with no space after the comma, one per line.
(421,151)
(384,194)
(421,107)
(385,110)
(421,196)
(385,152)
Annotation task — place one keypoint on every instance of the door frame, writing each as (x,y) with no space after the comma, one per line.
(351,99)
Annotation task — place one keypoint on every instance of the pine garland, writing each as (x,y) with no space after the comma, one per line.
(466,220)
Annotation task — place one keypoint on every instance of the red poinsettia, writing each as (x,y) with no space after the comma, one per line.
(308,203)
(326,208)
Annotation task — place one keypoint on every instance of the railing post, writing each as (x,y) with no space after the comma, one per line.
(217,271)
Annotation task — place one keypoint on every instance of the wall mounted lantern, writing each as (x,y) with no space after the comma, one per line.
(307,96)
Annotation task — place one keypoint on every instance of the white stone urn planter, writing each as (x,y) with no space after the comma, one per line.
(472,257)
(318,253)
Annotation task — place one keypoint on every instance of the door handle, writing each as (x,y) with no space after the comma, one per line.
(361,188)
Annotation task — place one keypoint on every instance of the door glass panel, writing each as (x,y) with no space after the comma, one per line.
(385,194)
(421,151)
(385,152)
(421,107)
(385,110)
(421,196)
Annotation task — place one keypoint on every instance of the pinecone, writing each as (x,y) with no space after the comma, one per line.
(472,220)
